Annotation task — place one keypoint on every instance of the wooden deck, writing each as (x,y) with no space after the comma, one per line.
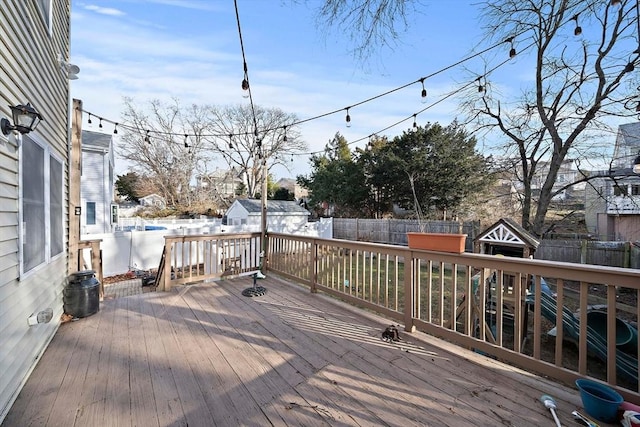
(205,355)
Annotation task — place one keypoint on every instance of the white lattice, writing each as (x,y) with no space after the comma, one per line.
(502,234)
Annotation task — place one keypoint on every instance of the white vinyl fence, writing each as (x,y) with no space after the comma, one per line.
(123,250)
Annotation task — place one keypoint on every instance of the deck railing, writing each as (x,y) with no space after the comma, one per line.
(501,307)
(196,258)
(429,291)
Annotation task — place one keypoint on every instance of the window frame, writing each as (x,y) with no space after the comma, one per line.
(87,210)
(48,154)
(45,7)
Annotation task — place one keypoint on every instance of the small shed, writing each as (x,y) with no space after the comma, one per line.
(508,238)
(281,214)
(153,199)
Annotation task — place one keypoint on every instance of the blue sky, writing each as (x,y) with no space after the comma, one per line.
(190,50)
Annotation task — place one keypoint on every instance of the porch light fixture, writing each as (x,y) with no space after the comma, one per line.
(25,119)
(636,165)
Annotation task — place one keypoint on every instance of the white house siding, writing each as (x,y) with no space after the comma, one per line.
(97,184)
(29,73)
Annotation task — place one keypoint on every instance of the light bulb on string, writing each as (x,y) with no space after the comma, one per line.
(480,85)
(245,88)
(146,137)
(512,51)
(245,82)
(115,129)
(231,141)
(292,158)
(284,138)
(89,121)
(578,30)
(100,124)
(423,94)
(186,143)
(348,118)
(415,125)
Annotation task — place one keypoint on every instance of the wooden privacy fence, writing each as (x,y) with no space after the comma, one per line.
(499,306)
(394,231)
(613,254)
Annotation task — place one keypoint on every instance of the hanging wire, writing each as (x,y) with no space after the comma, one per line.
(245,68)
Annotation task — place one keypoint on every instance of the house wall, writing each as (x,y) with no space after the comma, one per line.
(29,73)
(96,188)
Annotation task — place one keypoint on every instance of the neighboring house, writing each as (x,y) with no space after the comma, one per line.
(298,191)
(97,183)
(612,201)
(33,185)
(221,185)
(567,173)
(153,200)
(281,215)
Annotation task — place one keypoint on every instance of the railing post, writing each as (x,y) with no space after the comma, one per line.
(409,294)
(167,265)
(314,273)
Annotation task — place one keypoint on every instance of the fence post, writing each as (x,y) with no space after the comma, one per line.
(409,294)
(583,252)
(626,260)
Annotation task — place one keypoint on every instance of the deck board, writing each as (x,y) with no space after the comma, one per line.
(204,355)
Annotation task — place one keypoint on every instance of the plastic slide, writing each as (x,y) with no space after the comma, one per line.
(627,364)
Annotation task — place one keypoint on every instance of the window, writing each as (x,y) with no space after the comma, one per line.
(45,12)
(619,190)
(635,190)
(55,200)
(91,213)
(41,204)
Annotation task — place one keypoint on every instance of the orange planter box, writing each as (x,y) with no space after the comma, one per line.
(442,242)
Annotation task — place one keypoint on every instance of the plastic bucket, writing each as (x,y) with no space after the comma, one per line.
(599,400)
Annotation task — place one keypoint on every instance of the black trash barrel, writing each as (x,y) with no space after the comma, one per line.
(81,296)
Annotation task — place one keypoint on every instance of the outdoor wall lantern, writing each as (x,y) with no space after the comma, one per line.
(636,165)
(25,119)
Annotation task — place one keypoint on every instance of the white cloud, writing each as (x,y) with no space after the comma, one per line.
(104,10)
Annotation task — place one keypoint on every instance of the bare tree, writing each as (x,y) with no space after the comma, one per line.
(577,83)
(369,23)
(247,142)
(164,144)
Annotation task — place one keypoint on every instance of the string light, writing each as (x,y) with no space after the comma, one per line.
(231,141)
(245,88)
(423,94)
(481,88)
(186,143)
(89,121)
(578,29)
(512,51)
(115,129)
(146,138)
(100,124)
(284,138)
(415,125)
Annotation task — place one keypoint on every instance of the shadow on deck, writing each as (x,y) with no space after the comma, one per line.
(204,355)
